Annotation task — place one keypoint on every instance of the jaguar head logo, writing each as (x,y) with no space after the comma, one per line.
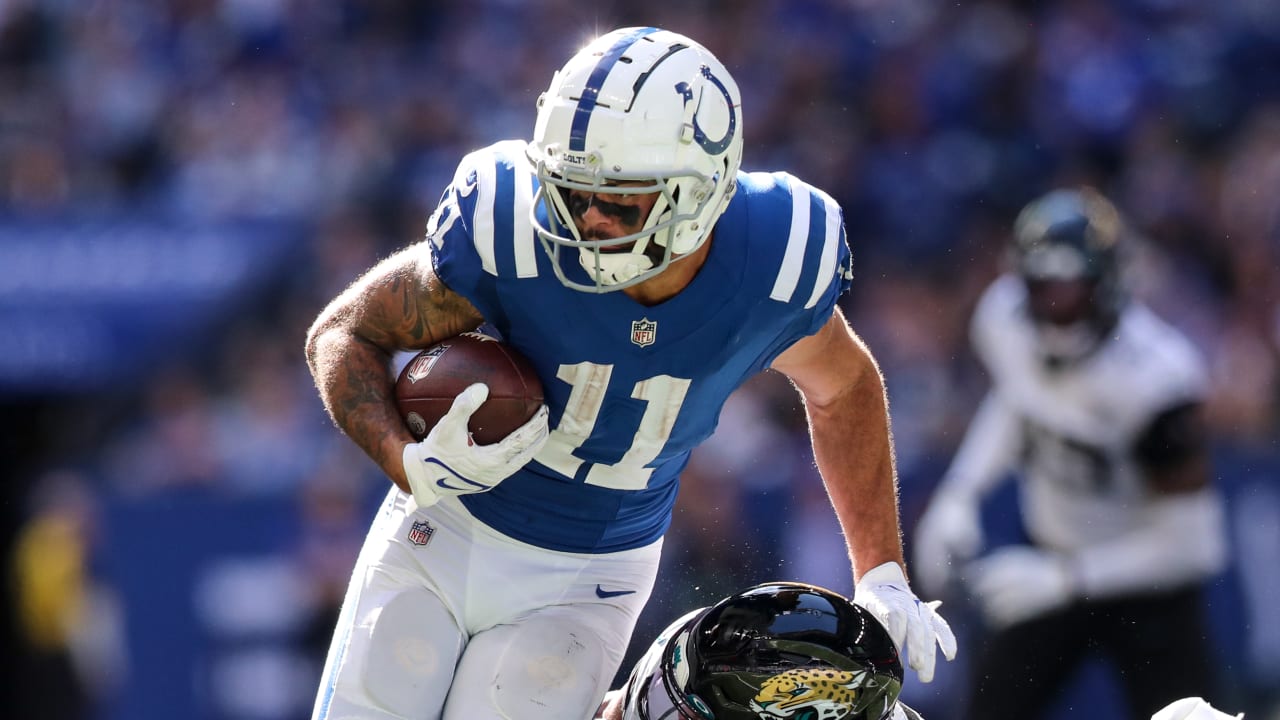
(809,694)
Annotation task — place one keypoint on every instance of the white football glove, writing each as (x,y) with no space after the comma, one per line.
(1018,583)
(948,535)
(1193,708)
(448,462)
(884,591)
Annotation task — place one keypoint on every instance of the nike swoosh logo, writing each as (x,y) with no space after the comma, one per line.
(444,482)
(602,593)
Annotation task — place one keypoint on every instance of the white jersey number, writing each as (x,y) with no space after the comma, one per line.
(663,396)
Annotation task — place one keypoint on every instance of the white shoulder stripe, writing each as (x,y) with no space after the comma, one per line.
(830,249)
(482,221)
(793,260)
(521,226)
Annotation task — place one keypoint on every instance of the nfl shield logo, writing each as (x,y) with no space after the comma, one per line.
(422,364)
(421,532)
(644,331)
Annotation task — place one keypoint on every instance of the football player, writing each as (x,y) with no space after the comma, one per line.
(1095,405)
(646,278)
(777,650)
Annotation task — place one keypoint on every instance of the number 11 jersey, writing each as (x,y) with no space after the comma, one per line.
(631,389)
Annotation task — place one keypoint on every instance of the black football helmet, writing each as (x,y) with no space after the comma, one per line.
(1067,249)
(778,650)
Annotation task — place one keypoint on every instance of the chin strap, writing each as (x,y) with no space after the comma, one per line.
(614,268)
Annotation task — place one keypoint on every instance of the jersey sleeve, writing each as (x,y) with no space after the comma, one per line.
(449,231)
(481,217)
(814,269)
(1173,395)
(1166,390)
(1173,437)
(1183,375)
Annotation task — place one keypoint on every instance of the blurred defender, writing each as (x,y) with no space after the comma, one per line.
(1096,405)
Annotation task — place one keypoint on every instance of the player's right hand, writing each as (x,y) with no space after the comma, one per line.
(448,462)
(948,535)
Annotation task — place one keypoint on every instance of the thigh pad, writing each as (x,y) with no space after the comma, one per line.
(413,646)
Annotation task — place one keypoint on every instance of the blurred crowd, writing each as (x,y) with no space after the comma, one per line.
(931,123)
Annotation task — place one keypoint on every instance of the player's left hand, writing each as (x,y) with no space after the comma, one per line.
(448,462)
(884,591)
(1018,583)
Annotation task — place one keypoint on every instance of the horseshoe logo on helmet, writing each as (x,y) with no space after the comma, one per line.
(713,147)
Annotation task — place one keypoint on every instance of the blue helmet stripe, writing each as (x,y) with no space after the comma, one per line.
(587,103)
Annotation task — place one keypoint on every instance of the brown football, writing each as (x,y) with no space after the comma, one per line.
(430,381)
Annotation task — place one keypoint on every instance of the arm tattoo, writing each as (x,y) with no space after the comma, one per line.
(398,305)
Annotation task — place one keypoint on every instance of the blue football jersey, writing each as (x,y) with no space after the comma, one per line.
(631,389)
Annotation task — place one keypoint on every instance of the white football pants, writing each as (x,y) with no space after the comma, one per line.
(447,619)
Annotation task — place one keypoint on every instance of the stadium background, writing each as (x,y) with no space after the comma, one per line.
(184,184)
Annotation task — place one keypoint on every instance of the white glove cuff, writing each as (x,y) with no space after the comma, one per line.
(421,483)
(889,573)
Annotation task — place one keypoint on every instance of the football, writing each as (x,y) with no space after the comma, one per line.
(429,382)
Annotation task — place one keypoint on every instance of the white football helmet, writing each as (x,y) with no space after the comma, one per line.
(643,106)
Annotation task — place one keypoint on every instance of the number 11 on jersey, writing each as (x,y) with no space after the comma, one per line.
(663,395)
